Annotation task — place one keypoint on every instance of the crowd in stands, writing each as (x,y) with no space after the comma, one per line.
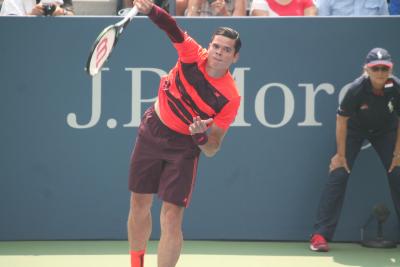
(37,8)
(218,7)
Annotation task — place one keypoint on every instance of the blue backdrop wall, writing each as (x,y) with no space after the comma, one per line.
(66,139)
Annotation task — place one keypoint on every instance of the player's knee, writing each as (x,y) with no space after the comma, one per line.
(171,218)
(141,203)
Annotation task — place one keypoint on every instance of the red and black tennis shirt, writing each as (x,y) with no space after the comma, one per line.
(188,91)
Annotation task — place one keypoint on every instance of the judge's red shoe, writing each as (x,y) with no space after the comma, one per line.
(318,243)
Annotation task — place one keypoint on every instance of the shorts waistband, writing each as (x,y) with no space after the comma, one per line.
(152,110)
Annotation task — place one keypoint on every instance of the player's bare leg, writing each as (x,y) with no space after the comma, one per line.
(139,221)
(169,248)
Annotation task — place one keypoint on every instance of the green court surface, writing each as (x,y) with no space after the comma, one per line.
(194,254)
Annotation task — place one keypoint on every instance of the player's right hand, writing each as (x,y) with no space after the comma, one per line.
(199,125)
(144,6)
(338,161)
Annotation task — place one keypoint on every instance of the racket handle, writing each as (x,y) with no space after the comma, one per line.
(128,17)
(133,12)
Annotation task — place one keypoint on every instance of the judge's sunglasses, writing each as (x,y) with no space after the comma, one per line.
(380,68)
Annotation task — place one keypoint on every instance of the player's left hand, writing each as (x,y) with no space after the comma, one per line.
(199,125)
(395,163)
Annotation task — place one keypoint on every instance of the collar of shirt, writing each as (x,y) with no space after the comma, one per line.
(389,87)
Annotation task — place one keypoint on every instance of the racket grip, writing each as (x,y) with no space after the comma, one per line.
(133,12)
(127,19)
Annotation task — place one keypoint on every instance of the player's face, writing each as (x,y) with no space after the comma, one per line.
(379,74)
(221,53)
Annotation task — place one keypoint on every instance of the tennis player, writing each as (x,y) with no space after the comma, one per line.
(197,102)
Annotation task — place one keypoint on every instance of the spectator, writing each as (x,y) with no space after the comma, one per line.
(394,7)
(37,8)
(352,7)
(275,8)
(216,8)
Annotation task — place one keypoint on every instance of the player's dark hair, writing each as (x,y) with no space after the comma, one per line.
(231,34)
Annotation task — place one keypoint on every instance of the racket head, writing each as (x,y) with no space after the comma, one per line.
(101,49)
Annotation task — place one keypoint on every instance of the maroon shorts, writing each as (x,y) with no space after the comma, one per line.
(163,161)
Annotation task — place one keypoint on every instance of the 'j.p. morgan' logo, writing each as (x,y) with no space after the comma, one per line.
(309,90)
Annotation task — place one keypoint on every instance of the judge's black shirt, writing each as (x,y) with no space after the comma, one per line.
(371,113)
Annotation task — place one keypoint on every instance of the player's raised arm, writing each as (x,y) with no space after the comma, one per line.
(161,18)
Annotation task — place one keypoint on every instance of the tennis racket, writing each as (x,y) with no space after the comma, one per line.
(105,43)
